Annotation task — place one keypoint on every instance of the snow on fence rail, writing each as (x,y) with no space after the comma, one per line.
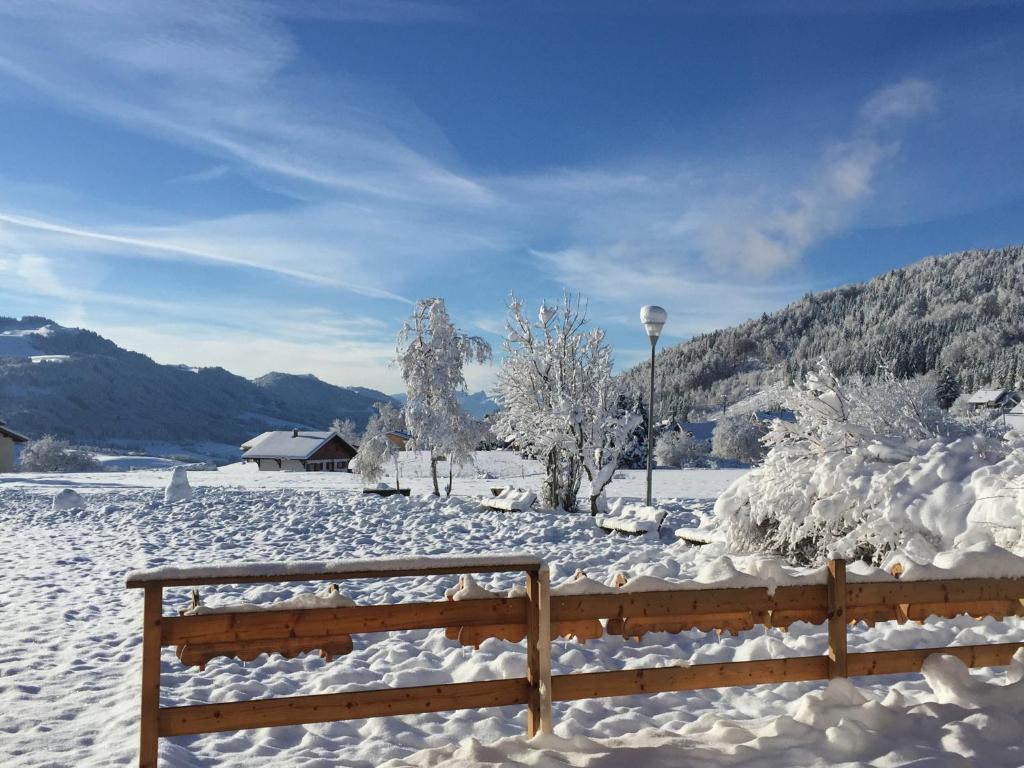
(535,616)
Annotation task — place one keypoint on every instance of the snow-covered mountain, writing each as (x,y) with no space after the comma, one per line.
(963,310)
(476,404)
(76,384)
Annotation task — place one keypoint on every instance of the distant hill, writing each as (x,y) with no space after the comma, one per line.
(476,404)
(75,384)
(964,310)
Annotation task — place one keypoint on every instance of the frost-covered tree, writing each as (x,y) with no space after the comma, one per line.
(432,354)
(947,389)
(739,438)
(376,448)
(561,402)
(634,454)
(347,430)
(48,454)
(677,448)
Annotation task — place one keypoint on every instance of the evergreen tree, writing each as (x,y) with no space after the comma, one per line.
(947,389)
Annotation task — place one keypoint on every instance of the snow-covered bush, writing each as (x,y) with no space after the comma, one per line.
(832,485)
(677,448)
(377,448)
(739,438)
(48,454)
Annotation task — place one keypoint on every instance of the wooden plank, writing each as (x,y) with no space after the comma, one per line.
(310,622)
(685,602)
(901,662)
(705,622)
(199,654)
(997,609)
(948,591)
(533,654)
(330,707)
(149,723)
(283,575)
(638,605)
(474,635)
(627,682)
(836,618)
(544,648)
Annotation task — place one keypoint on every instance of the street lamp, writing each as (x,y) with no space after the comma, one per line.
(653,318)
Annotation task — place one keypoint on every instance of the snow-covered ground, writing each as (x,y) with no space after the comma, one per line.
(69,671)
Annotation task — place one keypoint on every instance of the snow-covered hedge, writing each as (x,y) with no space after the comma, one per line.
(830,485)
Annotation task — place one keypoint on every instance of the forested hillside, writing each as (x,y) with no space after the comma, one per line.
(964,310)
(75,384)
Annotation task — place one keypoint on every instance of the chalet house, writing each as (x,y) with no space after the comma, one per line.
(8,439)
(993,399)
(296,451)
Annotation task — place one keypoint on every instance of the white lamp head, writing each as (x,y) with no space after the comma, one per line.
(653,318)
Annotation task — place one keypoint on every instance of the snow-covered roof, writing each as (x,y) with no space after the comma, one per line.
(983,396)
(6,431)
(286,444)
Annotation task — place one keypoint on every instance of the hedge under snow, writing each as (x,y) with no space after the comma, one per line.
(867,470)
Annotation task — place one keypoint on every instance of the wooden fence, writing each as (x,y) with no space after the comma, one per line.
(538,616)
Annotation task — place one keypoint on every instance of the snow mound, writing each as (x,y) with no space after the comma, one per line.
(952,683)
(67,499)
(178,488)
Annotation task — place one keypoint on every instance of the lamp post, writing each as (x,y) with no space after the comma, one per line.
(653,318)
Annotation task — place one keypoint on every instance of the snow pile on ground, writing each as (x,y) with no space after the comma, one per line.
(178,488)
(974,723)
(67,499)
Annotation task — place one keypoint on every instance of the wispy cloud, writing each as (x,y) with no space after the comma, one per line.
(381,203)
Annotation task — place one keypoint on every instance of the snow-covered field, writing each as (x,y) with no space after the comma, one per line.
(69,671)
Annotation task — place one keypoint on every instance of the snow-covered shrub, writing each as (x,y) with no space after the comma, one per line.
(377,448)
(677,448)
(832,485)
(739,438)
(48,454)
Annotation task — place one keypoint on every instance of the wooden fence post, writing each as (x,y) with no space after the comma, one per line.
(837,666)
(538,651)
(149,722)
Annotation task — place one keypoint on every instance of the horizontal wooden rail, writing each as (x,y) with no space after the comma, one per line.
(266,624)
(949,591)
(589,685)
(328,707)
(197,581)
(685,602)
(903,662)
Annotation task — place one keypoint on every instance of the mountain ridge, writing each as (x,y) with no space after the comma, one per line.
(75,384)
(962,310)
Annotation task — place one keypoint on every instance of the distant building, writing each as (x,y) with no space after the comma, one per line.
(8,439)
(296,451)
(993,399)
(1014,418)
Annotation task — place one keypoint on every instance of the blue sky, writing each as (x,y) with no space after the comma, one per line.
(268,186)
